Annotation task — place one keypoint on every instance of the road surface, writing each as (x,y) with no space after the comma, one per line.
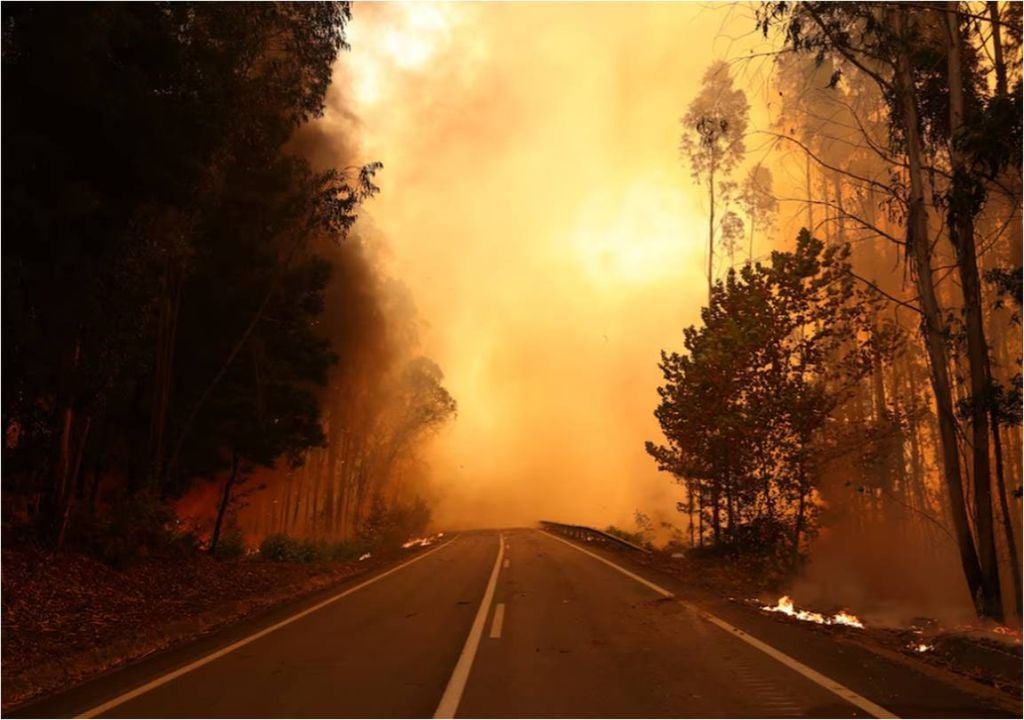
(517,623)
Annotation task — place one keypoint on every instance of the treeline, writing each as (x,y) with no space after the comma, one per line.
(890,394)
(175,279)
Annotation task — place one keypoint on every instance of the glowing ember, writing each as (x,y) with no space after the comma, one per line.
(1008,631)
(920,647)
(423,541)
(786,607)
(364,556)
(417,542)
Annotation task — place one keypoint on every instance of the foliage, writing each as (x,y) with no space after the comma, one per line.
(231,545)
(282,548)
(715,125)
(167,260)
(780,348)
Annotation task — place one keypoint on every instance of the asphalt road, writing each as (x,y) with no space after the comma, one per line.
(518,624)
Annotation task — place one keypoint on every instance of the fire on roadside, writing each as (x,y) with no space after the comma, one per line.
(786,607)
(422,541)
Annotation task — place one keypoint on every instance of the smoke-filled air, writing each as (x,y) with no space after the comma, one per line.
(727,295)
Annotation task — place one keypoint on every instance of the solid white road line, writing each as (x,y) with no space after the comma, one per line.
(498,621)
(814,676)
(457,682)
(656,588)
(164,679)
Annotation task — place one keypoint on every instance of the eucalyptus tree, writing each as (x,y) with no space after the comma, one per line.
(713,140)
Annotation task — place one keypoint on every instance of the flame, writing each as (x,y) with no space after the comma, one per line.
(1008,631)
(423,541)
(921,647)
(786,607)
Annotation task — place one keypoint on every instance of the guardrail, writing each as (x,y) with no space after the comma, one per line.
(589,534)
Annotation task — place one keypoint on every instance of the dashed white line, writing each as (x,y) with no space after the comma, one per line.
(814,676)
(506,563)
(498,621)
(457,682)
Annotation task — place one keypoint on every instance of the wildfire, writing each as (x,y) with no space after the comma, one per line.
(423,541)
(786,607)
(1007,631)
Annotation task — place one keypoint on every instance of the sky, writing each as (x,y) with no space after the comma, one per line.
(534,203)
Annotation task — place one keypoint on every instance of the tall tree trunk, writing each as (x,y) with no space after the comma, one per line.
(163,371)
(997,47)
(1004,507)
(961,231)
(919,253)
(711,230)
(225,501)
(76,470)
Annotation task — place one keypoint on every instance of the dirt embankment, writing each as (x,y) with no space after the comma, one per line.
(68,617)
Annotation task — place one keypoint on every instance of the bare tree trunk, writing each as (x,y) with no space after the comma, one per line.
(997,47)
(1011,539)
(167,329)
(919,252)
(711,231)
(76,469)
(961,231)
(225,501)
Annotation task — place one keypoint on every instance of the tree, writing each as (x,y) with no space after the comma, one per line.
(759,203)
(161,269)
(713,144)
(741,408)
(925,71)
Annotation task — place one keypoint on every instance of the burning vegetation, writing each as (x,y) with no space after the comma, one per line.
(786,607)
(855,396)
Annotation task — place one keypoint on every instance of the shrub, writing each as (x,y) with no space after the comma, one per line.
(279,548)
(231,545)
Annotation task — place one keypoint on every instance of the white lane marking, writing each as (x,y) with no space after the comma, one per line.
(498,621)
(164,679)
(457,682)
(656,588)
(813,675)
(506,563)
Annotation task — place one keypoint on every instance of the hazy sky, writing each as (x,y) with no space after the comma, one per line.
(534,203)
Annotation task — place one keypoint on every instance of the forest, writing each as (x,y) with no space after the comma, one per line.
(191,315)
(863,379)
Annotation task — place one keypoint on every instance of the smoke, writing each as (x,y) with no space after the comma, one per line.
(538,236)
(534,204)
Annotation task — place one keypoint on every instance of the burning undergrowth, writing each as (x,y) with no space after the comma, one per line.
(786,607)
(423,541)
(985,653)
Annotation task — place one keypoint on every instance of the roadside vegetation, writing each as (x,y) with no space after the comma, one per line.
(862,383)
(189,302)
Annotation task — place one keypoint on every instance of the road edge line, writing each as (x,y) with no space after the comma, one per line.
(656,588)
(452,696)
(99,710)
(792,663)
(836,688)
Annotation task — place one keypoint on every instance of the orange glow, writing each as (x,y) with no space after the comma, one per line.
(534,202)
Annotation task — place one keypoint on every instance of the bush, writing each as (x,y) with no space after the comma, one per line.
(342,551)
(281,548)
(231,545)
